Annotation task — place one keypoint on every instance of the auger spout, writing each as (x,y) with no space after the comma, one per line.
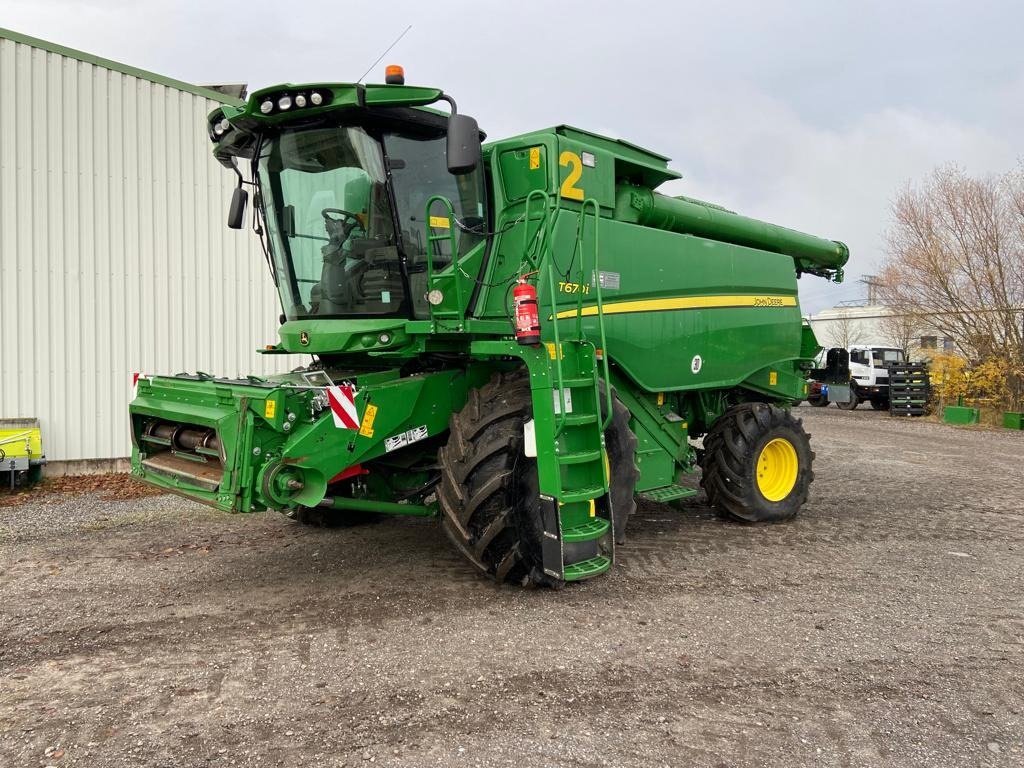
(685,215)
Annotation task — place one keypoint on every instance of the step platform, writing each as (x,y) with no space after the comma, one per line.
(668,493)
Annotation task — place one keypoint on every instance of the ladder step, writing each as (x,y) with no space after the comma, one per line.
(579,457)
(595,528)
(586,569)
(579,419)
(585,493)
(668,493)
(578,381)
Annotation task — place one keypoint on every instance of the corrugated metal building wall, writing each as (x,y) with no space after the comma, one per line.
(114,256)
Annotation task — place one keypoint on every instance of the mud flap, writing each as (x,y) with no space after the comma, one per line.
(551,545)
(838,393)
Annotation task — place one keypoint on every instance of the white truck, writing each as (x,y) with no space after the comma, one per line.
(869,378)
(869,375)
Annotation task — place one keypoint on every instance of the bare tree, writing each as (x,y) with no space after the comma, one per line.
(845,331)
(956,256)
(903,329)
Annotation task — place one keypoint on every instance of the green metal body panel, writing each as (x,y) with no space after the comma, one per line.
(703,298)
(671,297)
(309,446)
(678,307)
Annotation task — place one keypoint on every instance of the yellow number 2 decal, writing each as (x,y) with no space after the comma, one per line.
(569,188)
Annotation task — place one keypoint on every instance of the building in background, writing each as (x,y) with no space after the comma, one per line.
(878,325)
(869,321)
(114,256)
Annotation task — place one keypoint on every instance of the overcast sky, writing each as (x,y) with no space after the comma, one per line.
(808,114)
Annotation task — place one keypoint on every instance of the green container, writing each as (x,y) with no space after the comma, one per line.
(1013,420)
(959,414)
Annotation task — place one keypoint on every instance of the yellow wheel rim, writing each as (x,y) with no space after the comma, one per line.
(777,468)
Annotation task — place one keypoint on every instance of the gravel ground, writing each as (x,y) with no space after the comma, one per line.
(884,626)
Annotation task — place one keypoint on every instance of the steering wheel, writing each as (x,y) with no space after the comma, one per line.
(326,213)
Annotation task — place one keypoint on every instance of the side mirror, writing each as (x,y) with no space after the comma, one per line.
(463,144)
(236,212)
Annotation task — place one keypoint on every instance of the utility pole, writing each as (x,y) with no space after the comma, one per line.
(873,283)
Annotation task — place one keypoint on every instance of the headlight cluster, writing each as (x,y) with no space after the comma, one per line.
(219,128)
(285,102)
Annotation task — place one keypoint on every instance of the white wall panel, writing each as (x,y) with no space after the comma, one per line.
(114,256)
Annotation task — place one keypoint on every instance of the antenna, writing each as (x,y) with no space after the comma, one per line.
(383,55)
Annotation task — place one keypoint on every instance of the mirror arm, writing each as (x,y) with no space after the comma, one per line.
(451,102)
(238,173)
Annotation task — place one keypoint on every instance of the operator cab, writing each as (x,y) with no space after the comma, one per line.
(343,175)
(329,222)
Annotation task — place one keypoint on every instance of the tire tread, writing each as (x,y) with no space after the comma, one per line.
(728,462)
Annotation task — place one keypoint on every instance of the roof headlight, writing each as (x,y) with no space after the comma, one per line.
(224,126)
(218,130)
(285,102)
(267,107)
(300,100)
(316,99)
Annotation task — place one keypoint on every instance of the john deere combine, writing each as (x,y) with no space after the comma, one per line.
(519,338)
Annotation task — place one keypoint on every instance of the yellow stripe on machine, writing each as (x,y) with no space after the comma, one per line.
(683,302)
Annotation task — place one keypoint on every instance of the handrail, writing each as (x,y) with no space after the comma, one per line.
(587,204)
(546,267)
(543,230)
(453,244)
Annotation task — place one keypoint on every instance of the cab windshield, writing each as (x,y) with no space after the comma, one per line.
(331,222)
(881,356)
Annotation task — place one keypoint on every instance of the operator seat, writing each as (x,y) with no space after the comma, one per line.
(379,286)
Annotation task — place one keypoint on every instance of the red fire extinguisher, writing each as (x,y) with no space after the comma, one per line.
(524,298)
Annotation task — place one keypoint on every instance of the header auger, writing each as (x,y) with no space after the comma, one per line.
(518,338)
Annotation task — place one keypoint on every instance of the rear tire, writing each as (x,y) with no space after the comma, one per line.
(756,464)
(818,402)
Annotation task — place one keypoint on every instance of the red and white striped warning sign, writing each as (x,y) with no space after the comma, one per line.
(343,406)
(135,383)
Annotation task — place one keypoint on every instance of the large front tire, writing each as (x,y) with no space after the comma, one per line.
(756,464)
(489,492)
(620,442)
(489,497)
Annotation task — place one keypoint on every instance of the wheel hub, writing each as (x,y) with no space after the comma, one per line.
(777,468)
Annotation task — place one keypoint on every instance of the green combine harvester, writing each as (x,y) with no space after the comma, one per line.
(519,338)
